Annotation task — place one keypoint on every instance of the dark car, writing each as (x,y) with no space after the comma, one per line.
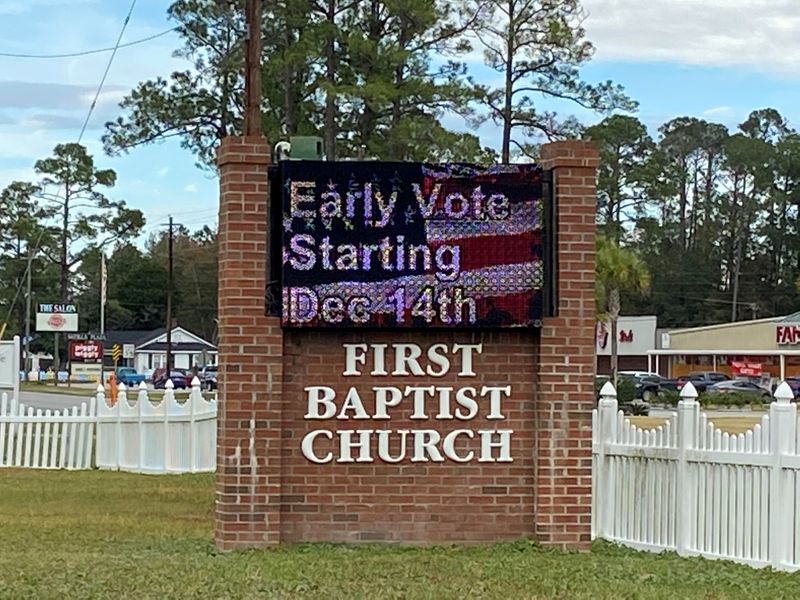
(742,387)
(180,379)
(646,386)
(664,383)
(208,377)
(635,406)
(652,379)
(794,384)
(701,380)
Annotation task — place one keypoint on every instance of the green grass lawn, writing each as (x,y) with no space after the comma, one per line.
(107,535)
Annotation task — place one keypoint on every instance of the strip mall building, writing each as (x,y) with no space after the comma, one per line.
(765,348)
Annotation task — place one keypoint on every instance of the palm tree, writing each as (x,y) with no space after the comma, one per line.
(618,270)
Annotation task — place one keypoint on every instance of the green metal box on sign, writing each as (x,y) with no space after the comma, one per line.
(306,147)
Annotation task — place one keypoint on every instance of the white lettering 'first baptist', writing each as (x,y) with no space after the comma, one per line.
(322,405)
(442,403)
(407,359)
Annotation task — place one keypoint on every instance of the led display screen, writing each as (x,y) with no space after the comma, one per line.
(376,244)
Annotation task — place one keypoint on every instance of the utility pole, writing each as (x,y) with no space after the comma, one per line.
(28,316)
(737,262)
(103,283)
(169,302)
(252,76)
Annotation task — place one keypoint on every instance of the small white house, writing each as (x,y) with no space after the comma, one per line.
(150,349)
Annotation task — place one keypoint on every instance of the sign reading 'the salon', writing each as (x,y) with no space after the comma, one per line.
(409,419)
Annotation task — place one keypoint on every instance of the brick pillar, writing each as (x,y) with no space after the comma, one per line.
(248,478)
(567,359)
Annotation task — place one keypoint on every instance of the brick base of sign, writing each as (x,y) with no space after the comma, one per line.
(439,494)
(312,425)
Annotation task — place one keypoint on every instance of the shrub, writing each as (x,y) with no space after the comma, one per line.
(599,382)
(729,399)
(670,397)
(626,390)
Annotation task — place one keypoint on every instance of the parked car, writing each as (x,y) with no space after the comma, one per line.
(794,383)
(180,379)
(645,387)
(208,377)
(129,376)
(664,383)
(702,379)
(740,386)
(632,406)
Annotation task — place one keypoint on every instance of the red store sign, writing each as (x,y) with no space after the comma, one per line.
(85,351)
(746,369)
(787,334)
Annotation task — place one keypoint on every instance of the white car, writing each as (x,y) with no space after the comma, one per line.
(638,374)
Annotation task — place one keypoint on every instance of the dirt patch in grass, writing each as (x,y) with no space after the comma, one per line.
(734,425)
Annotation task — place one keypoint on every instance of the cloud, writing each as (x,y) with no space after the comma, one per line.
(107,96)
(60,96)
(50,121)
(191,188)
(717,110)
(18,7)
(7,176)
(722,33)
(162,172)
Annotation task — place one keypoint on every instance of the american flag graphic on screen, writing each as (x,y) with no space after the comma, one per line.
(374,244)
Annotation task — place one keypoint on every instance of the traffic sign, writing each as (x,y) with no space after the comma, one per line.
(116,352)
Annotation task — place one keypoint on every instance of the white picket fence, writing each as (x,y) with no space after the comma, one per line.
(134,435)
(686,486)
(46,439)
(164,437)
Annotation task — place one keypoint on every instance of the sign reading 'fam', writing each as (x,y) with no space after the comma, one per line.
(411,245)
(443,408)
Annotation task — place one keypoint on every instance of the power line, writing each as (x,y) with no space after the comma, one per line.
(89,52)
(108,68)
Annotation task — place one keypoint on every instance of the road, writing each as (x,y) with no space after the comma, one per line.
(51,401)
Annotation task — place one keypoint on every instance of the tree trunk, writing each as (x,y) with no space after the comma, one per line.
(330,133)
(289,100)
(615,201)
(63,275)
(736,267)
(509,87)
(683,201)
(613,313)
(398,150)
(695,201)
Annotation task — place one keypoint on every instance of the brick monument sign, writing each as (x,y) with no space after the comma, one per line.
(406,350)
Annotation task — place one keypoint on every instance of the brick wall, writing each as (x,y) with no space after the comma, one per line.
(412,502)
(566,357)
(267,492)
(250,350)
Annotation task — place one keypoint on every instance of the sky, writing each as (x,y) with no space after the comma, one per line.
(712,59)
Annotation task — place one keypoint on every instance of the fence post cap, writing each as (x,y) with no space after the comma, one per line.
(169,385)
(100,389)
(195,381)
(688,392)
(608,390)
(142,386)
(784,393)
(122,387)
